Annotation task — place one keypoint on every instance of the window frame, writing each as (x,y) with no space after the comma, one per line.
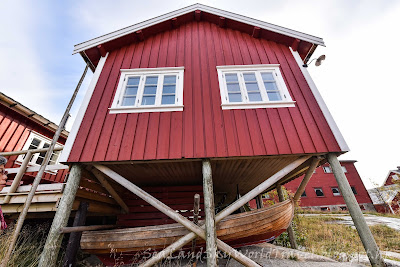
(245,104)
(336,194)
(329,168)
(319,188)
(157,107)
(43,140)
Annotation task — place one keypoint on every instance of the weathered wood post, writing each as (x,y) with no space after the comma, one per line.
(211,233)
(289,230)
(196,208)
(53,241)
(75,237)
(363,230)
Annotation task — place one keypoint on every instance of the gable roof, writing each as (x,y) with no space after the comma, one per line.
(91,51)
(389,175)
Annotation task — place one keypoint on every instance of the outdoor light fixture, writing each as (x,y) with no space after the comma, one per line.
(317,62)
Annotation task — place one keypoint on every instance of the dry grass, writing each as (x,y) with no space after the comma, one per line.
(338,240)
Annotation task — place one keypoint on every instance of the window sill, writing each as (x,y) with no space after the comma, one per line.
(145,109)
(286,104)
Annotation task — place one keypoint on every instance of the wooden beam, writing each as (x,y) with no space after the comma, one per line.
(18,177)
(75,237)
(139,35)
(289,230)
(102,50)
(33,151)
(306,178)
(196,209)
(256,32)
(363,230)
(110,190)
(222,22)
(174,23)
(51,168)
(197,230)
(209,208)
(74,229)
(54,238)
(295,45)
(197,15)
(227,211)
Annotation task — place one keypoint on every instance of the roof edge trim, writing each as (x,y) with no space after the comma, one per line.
(150,22)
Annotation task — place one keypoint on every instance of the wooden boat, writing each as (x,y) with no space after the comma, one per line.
(241,229)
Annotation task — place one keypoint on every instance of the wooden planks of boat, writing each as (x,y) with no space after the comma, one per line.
(237,230)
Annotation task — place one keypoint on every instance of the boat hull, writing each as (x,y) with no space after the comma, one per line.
(237,230)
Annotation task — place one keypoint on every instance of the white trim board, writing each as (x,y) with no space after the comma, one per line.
(79,117)
(218,12)
(328,116)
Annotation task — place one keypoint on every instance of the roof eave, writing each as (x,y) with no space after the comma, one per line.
(229,15)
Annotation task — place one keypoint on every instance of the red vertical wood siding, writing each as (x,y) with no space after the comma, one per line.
(14,132)
(203,129)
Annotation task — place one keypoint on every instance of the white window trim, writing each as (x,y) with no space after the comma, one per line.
(35,156)
(336,194)
(288,102)
(125,73)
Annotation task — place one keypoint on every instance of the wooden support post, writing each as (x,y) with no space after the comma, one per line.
(53,241)
(110,189)
(18,177)
(209,208)
(196,209)
(228,210)
(197,230)
(289,230)
(75,237)
(306,178)
(363,230)
(259,202)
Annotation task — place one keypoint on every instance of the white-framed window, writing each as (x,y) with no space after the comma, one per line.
(319,192)
(253,86)
(327,169)
(344,169)
(37,141)
(335,191)
(149,90)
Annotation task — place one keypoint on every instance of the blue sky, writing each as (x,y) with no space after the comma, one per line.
(358,80)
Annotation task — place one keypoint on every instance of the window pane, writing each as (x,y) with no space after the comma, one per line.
(255,97)
(270,86)
(304,194)
(335,191)
(169,89)
(274,96)
(249,77)
(128,101)
(133,81)
(35,143)
(319,192)
(168,99)
(169,79)
(252,87)
(150,90)
(231,77)
(354,190)
(152,80)
(131,90)
(233,87)
(234,97)
(267,76)
(148,100)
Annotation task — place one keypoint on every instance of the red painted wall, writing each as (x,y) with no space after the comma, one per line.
(14,131)
(389,180)
(326,181)
(203,129)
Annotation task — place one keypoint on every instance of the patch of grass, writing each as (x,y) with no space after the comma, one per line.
(341,241)
(397,216)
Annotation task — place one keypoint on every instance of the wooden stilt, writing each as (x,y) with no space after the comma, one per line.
(196,209)
(53,241)
(227,211)
(289,230)
(75,237)
(306,178)
(363,230)
(209,209)
(197,230)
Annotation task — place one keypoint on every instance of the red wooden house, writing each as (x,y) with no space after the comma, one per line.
(322,191)
(20,129)
(386,198)
(195,91)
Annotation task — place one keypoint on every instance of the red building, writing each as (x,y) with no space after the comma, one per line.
(20,129)
(386,198)
(322,191)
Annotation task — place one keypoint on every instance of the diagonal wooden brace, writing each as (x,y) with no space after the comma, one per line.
(174,215)
(227,211)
